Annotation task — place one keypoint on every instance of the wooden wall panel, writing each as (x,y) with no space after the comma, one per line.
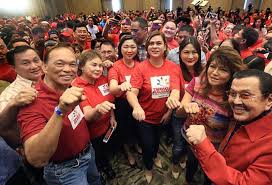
(266,4)
(85,6)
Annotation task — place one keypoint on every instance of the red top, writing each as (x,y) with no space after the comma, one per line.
(246,156)
(96,94)
(114,37)
(155,85)
(172,44)
(246,53)
(7,73)
(33,118)
(121,72)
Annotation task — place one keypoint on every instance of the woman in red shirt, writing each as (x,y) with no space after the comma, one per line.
(190,64)
(98,106)
(119,78)
(152,82)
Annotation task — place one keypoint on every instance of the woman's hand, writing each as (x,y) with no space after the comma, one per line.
(191,108)
(138,113)
(125,86)
(166,117)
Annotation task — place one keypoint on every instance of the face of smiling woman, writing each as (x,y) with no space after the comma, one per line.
(156,47)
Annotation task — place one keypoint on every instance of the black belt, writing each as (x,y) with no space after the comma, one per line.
(80,154)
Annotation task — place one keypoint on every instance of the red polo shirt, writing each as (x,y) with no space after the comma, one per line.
(155,85)
(121,72)
(245,157)
(7,73)
(96,94)
(33,118)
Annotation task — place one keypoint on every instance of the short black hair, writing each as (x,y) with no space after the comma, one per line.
(142,22)
(188,28)
(251,36)
(11,42)
(265,79)
(19,49)
(79,25)
(36,30)
(107,42)
(59,45)
(255,62)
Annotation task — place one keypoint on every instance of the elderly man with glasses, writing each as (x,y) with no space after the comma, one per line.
(245,155)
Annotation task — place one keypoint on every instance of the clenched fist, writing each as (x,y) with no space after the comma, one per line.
(138,113)
(70,98)
(25,96)
(125,86)
(191,108)
(196,134)
(105,107)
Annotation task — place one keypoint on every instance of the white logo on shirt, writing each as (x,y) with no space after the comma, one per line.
(128,78)
(104,89)
(160,86)
(76,116)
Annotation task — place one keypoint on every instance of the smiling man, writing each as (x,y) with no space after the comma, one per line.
(27,64)
(245,154)
(81,36)
(54,132)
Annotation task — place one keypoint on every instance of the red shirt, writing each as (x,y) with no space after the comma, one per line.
(172,44)
(33,118)
(121,72)
(155,85)
(7,73)
(246,156)
(114,37)
(246,53)
(96,94)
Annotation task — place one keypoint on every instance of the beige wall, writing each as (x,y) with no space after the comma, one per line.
(132,5)
(85,6)
(266,4)
(53,7)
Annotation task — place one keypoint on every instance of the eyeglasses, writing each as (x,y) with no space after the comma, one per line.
(243,96)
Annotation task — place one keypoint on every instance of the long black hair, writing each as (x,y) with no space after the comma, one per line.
(197,67)
(123,39)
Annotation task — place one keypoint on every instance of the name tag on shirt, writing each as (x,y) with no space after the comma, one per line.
(160,86)
(76,116)
(104,89)
(128,78)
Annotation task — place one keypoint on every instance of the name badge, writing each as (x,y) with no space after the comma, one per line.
(160,86)
(76,116)
(128,78)
(104,89)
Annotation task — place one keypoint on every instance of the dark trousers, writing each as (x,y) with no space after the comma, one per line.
(179,143)
(191,168)
(149,136)
(102,151)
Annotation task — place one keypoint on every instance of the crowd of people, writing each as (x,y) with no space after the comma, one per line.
(75,89)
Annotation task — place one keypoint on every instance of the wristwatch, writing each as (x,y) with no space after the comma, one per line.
(58,111)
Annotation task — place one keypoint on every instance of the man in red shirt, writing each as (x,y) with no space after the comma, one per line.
(53,129)
(247,37)
(81,36)
(245,154)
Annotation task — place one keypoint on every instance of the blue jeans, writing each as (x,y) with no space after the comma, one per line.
(179,143)
(79,171)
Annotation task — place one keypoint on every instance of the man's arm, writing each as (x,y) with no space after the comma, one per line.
(8,125)
(8,122)
(40,147)
(216,168)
